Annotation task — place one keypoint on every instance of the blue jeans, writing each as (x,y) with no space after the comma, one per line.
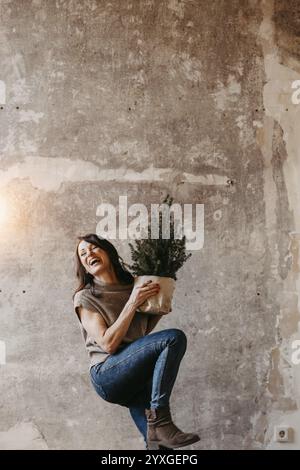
(141,374)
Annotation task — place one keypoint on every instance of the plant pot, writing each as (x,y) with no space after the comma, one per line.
(161,303)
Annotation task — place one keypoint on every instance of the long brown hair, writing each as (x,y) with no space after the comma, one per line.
(84,278)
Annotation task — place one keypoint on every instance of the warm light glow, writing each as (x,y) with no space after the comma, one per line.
(3,210)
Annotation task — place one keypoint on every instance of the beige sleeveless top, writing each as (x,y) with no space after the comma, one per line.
(109,301)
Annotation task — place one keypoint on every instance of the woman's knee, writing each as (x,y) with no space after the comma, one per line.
(178,335)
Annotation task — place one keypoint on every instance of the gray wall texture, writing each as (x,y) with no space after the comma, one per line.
(143,98)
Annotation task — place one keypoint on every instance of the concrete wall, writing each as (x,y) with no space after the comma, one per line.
(142,98)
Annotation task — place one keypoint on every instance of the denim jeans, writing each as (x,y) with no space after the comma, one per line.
(141,374)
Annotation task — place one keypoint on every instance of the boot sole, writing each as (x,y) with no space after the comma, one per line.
(154,445)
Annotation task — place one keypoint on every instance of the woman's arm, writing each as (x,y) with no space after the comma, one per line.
(152,322)
(108,338)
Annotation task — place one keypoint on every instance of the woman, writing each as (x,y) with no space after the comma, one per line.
(128,366)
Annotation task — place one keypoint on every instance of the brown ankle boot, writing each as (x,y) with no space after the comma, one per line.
(162,431)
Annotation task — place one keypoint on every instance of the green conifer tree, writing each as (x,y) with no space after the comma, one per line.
(161,256)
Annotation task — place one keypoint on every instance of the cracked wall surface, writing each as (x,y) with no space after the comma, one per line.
(143,98)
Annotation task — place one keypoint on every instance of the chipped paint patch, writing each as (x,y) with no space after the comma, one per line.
(30,116)
(49,173)
(23,436)
(185,67)
(227,94)
(2,92)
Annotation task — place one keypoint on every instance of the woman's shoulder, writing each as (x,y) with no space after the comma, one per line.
(84,293)
(85,298)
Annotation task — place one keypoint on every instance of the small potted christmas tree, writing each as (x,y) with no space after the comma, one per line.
(159,260)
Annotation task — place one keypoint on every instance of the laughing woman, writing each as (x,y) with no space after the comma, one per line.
(128,366)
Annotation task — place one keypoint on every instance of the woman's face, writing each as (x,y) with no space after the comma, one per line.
(95,260)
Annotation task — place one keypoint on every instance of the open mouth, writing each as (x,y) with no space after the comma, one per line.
(94,261)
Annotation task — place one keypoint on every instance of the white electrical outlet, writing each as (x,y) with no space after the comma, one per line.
(283,434)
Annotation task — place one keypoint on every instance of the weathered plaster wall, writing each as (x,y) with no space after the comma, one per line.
(139,99)
(280,41)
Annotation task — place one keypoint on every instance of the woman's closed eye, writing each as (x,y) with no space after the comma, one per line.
(92,249)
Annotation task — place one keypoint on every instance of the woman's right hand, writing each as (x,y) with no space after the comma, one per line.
(141,293)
